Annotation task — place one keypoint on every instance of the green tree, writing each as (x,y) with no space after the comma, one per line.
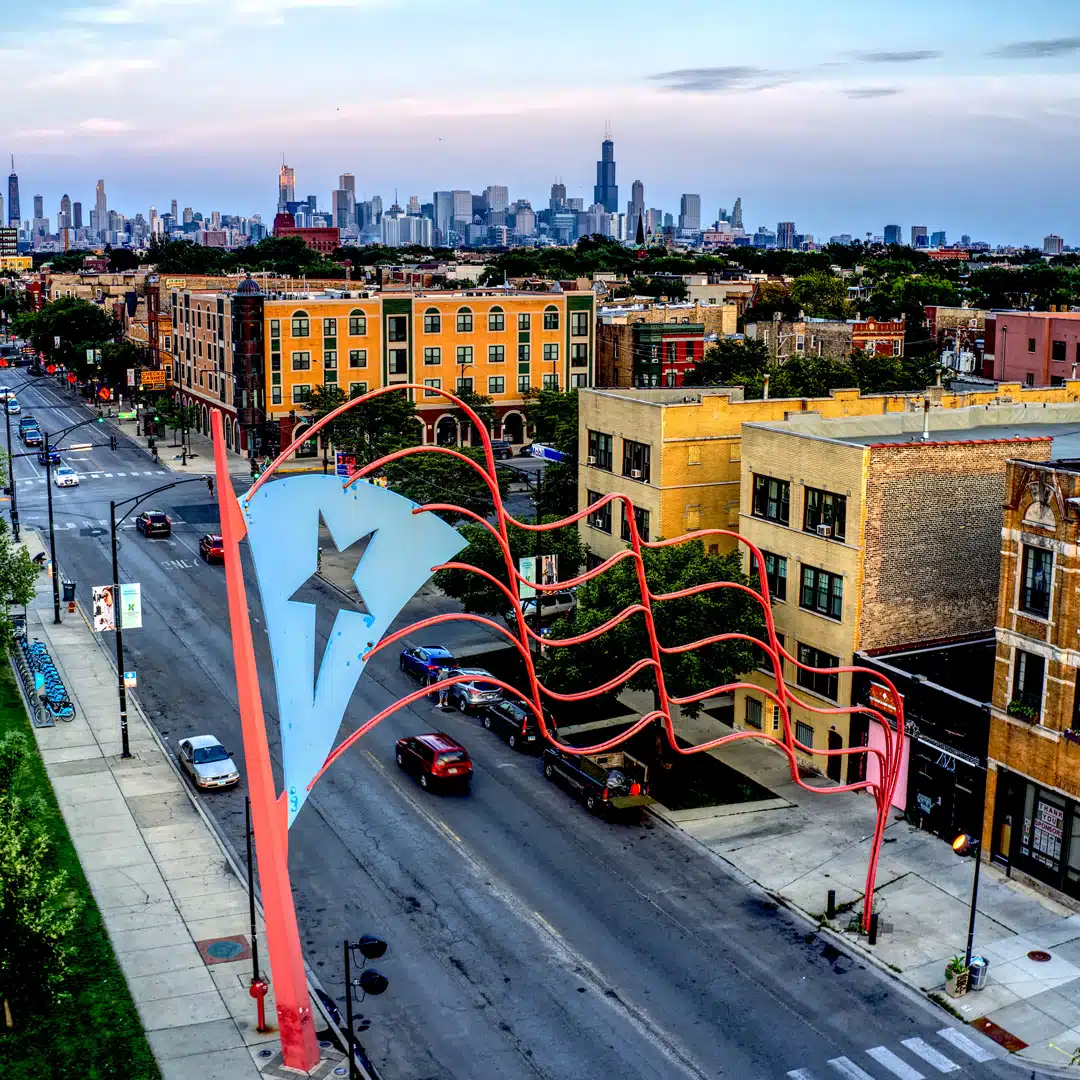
(553,416)
(821,295)
(482,405)
(433,476)
(370,430)
(678,622)
(770,299)
(119,357)
(78,324)
(37,912)
(732,363)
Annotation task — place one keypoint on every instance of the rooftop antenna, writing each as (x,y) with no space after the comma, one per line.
(607,129)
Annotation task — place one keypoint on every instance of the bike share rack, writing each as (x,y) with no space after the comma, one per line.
(32,659)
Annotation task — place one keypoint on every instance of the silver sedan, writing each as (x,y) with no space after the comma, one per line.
(208,763)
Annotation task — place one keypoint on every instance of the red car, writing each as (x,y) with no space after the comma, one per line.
(435,759)
(211,548)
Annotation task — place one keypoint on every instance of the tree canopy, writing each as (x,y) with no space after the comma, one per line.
(64,329)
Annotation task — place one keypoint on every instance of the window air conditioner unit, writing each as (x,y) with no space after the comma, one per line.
(592,460)
(598,521)
(635,474)
(824,530)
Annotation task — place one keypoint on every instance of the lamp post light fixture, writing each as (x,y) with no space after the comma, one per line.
(965,845)
(370,981)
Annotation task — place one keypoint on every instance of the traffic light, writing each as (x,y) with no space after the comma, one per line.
(112,442)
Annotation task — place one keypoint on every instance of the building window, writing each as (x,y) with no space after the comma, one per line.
(823,508)
(1028,672)
(430,386)
(496,354)
(636,460)
(524,384)
(600,450)
(398,361)
(329,327)
(753,713)
(497,384)
(772,499)
(1035,576)
(357,324)
(358,358)
(464,354)
(1057,351)
(551,354)
(551,318)
(301,325)
(275,328)
(357,389)
(432,322)
(301,393)
(1031,344)
(827,685)
(551,382)
(524,322)
(579,324)
(329,359)
(1029,379)
(822,592)
(776,575)
(577,381)
(804,734)
(464,386)
(601,518)
(464,321)
(496,321)
(800,342)
(397,328)
(1076,703)
(579,355)
(301,361)
(330,376)
(642,519)
(433,355)
(897,347)
(275,395)
(523,354)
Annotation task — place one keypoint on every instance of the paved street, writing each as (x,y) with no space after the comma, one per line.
(527,939)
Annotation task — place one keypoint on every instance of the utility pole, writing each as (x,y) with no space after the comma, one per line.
(125,749)
(52,530)
(11,479)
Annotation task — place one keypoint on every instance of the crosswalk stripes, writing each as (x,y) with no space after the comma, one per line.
(895,1066)
(95,476)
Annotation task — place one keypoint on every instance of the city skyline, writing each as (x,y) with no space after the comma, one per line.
(933,120)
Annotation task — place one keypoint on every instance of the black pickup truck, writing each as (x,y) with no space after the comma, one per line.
(605,783)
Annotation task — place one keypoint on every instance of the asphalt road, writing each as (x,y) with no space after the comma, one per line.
(527,939)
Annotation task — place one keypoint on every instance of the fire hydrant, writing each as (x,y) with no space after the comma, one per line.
(258,990)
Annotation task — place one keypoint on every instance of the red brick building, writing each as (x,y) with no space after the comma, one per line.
(323,240)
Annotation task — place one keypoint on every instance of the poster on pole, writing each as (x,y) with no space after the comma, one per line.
(131,376)
(527,570)
(131,606)
(130,680)
(104,609)
(549,569)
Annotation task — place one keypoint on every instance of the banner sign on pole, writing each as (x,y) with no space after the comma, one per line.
(130,680)
(104,609)
(549,569)
(527,569)
(131,606)
(131,376)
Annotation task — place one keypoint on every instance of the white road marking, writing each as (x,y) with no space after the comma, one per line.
(965,1045)
(125,474)
(897,1066)
(800,1074)
(921,1048)
(94,475)
(847,1068)
(108,476)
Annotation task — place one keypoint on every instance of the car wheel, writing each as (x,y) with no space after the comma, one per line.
(424,780)
(487,722)
(512,741)
(549,772)
(400,760)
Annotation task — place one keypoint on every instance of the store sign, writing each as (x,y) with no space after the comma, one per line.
(881,697)
(152,379)
(345,464)
(175,283)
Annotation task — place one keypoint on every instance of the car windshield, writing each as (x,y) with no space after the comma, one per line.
(205,754)
(477,682)
(451,756)
(156,518)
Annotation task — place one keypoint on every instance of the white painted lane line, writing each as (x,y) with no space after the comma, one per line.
(897,1066)
(921,1048)
(800,1074)
(965,1045)
(847,1068)
(108,476)
(119,474)
(94,475)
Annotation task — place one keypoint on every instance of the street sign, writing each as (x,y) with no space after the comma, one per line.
(130,680)
(345,464)
(150,379)
(56,341)
(131,376)
(50,369)
(130,415)
(71,377)
(89,355)
(527,569)
(104,393)
(104,609)
(131,606)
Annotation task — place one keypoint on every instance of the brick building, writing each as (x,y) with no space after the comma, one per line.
(834,338)
(1032,816)
(873,541)
(323,239)
(1036,348)
(959,333)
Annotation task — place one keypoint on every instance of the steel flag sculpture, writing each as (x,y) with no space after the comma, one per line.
(405,543)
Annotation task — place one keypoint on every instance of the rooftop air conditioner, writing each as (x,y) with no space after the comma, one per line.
(824,530)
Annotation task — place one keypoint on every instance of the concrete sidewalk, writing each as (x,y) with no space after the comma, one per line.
(175,911)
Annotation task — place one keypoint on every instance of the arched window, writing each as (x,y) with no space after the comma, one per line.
(551,317)
(432,321)
(464,321)
(301,324)
(496,320)
(357,323)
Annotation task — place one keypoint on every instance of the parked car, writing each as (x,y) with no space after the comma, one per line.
(27,421)
(514,723)
(552,605)
(65,476)
(435,759)
(51,457)
(208,763)
(424,661)
(211,548)
(526,450)
(501,449)
(31,436)
(469,695)
(153,523)
(13,407)
(605,783)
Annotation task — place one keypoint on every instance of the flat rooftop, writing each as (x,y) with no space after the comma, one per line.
(1066,436)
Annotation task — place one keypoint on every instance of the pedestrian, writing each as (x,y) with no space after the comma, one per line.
(444,691)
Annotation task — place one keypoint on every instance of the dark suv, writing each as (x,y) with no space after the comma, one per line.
(501,449)
(435,759)
(515,724)
(153,523)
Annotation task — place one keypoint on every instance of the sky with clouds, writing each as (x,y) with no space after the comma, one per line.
(842,115)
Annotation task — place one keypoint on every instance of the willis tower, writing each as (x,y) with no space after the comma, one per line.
(606,192)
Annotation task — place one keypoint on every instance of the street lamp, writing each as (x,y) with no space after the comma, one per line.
(135,500)
(965,845)
(370,982)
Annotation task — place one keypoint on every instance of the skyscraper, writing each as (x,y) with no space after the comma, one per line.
(498,198)
(892,234)
(174,217)
(39,206)
(76,215)
(920,236)
(558,196)
(736,214)
(635,208)
(463,210)
(63,221)
(101,207)
(690,213)
(286,187)
(1053,244)
(785,234)
(14,210)
(606,192)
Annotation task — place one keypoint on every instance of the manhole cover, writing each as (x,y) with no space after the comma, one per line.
(266,1053)
(229,950)
(1038,956)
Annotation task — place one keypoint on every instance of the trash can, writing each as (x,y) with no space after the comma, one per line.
(69,591)
(978,973)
